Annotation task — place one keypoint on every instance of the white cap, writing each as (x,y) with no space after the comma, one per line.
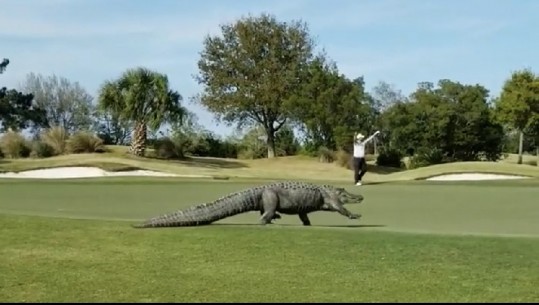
(360,136)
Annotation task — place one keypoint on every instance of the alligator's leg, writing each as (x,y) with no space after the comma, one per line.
(339,208)
(270,201)
(275,216)
(305,219)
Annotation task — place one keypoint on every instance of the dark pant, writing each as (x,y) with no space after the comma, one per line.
(360,168)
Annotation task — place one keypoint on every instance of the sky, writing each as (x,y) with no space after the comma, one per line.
(401,42)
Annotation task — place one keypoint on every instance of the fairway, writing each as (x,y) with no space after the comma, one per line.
(491,208)
(70,241)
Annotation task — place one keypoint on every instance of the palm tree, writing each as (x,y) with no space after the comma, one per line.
(141,96)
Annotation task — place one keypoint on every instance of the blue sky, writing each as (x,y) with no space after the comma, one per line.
(402,42)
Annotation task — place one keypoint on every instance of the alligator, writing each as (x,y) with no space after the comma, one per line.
(285,197)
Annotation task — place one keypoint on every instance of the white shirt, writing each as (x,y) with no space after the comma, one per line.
(359,147)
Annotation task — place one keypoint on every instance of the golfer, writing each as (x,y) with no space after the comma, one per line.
(360,166)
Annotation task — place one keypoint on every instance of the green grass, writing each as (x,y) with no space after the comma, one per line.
(96,261)
(432,207)
(70,241)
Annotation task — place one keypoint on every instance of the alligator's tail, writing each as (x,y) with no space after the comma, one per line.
(206,213)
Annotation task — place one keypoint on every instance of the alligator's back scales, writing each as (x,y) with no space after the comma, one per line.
(288,197)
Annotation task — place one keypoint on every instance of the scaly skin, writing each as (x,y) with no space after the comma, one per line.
(288,197)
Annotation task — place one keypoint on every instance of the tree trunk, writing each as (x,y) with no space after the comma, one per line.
(271,146)
(520,146)
(270,133)
(138,144)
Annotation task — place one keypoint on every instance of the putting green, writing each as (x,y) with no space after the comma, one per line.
(502,208)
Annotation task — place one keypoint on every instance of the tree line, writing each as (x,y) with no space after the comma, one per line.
(264,76)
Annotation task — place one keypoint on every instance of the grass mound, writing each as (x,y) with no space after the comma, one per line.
(468,167)
(297,167)
(107,166)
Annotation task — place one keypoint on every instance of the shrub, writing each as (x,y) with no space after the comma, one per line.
(208,145)
(41,150)
(227,149)
(56,137)
(343,158)
(531,162)
(426,157)
(85,142)
(389,157)
(310,149)
(370,157)
(247,154)
(14,145)
(325,155)
(166,148)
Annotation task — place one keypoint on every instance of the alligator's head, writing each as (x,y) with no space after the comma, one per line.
(344,196)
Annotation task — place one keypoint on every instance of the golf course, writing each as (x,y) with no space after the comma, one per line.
(71,240)
(269,152)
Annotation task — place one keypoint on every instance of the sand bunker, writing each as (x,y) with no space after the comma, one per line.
(94,172)
(83,172)
(474,177)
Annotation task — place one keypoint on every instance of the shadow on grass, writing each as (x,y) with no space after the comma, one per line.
(213,163)
(357,226)
(351,226)
(382,170)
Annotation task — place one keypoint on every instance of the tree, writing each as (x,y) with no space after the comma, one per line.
(143,97)
(532,129)
(191,136)
(329,108)
(3,65)
(385,95)
(519,103)
(314,105)
(67,104)
(18,110)
(401,126)
(198,141)
(452,119)
(471,131)
(251,143)
(110,128)
(252,70)
(286,142)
